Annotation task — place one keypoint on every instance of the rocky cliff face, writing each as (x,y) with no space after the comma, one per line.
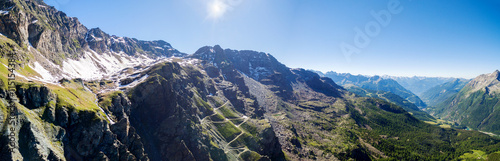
(48,128)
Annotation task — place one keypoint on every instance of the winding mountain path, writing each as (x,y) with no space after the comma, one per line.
(227,147)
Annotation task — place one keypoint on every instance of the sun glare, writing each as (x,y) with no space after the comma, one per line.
(216,9)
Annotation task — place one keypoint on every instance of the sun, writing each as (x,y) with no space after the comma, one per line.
(216,9)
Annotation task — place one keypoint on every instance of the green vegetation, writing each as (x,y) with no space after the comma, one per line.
(475,155)
(444,124)
(28,71)
(250,128)
(480,155)
(200,102)
(228,112)
(472,109)
(407,138)
(244,140)
(237,121)
(96,86)
(73,95)
(217,117)
(315,105)
(250,156)
(393,98)
(106,99)
(227,130)
(494,156)
(216,101)
(4,72)
(76,43)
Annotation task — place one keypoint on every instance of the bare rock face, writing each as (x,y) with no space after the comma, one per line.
(49,131)
(169,125)
(489,82)
(33,144)
(123,130)
(34,96)
(50,31)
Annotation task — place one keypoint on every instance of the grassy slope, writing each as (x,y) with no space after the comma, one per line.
(477,110)
(405,137)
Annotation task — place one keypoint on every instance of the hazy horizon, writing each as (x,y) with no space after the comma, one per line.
(397,38)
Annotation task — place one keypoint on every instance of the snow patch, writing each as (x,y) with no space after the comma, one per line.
(118,40)
(136,82)
(2,12)
(186,62)
(35,79)
(92,66)
(84,68)
(43,72)
(257,72)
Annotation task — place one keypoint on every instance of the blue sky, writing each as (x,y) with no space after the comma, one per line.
(422,37)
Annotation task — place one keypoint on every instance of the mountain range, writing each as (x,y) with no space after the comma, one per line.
(81,94)
(376,83)
(419,84)
(475,105)
(393,98)
(440,93)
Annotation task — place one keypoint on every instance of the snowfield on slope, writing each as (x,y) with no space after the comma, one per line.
(93,66)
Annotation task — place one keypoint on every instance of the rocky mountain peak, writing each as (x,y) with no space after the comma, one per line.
(217,48)
(497,74)
(488,82)
(63,47)
(96,33)
(209,53)
(257,65)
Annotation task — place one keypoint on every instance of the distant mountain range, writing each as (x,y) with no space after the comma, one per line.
(390,97)
(440,93)
(375,83)
(476,105)
(419,85)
